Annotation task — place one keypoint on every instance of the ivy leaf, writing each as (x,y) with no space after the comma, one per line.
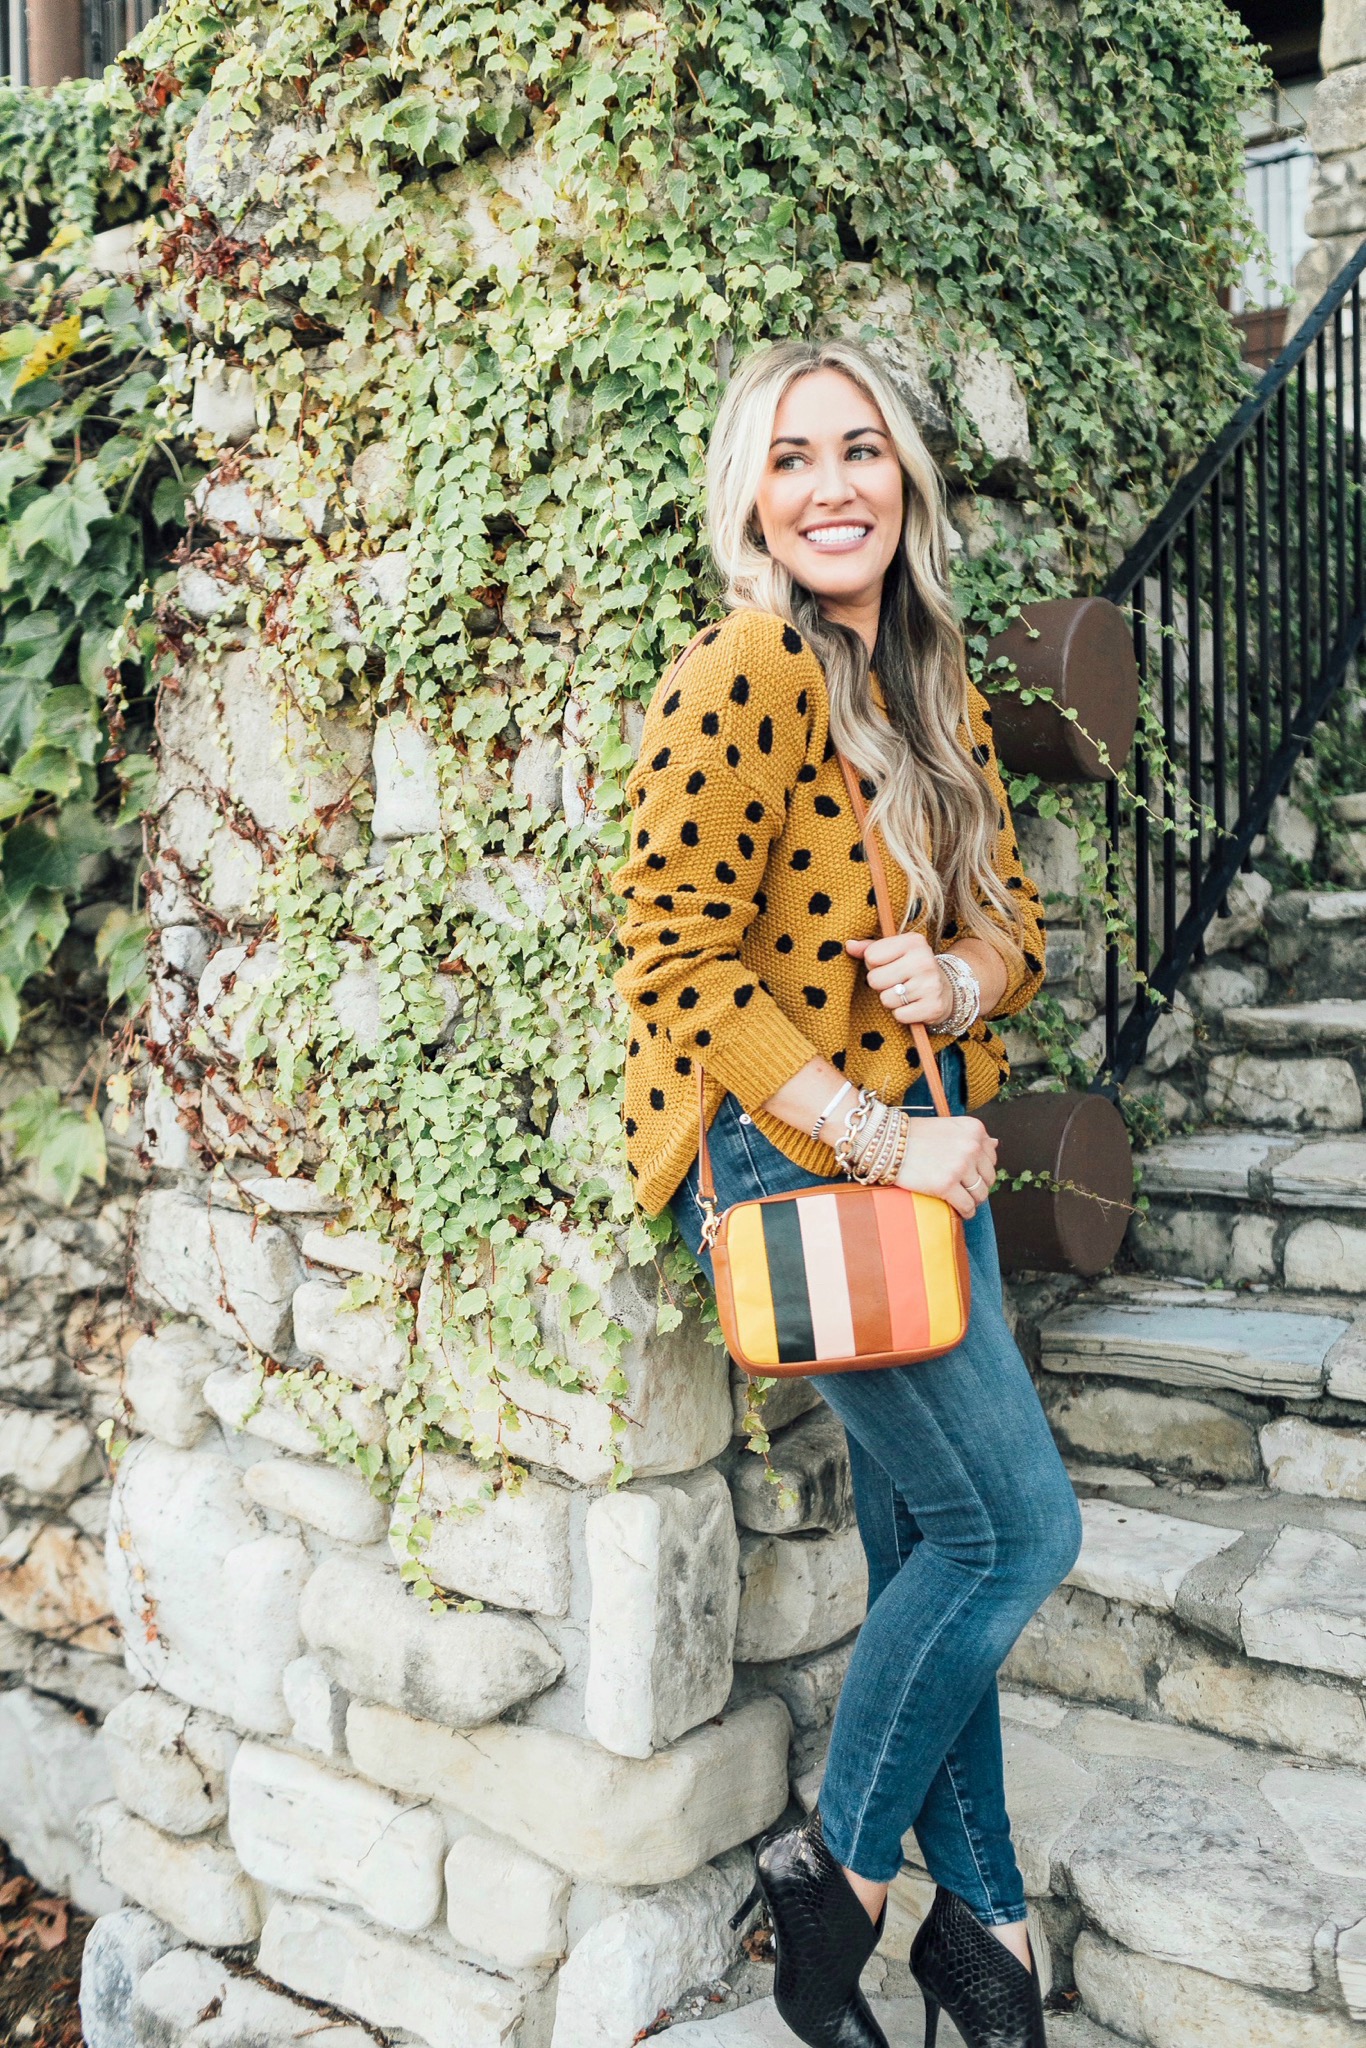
(60,520)
(66,1144)
(121,950)
(9,1014)
(55,346)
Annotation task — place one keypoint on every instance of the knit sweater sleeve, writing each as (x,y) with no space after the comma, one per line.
(1026,973)
(722,750)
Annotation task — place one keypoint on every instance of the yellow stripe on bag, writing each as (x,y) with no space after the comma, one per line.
(750,1288)
(940,1268)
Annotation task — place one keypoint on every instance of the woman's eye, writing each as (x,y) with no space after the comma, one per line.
(786,461)
(864,449)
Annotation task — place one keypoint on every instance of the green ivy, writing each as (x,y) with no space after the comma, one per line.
(487,265)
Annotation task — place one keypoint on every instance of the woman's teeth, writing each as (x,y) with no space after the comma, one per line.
(835,536)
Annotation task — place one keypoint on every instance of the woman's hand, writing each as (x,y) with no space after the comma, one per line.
(952,1157)
(906,974)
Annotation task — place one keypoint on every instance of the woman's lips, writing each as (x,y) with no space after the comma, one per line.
(837,540)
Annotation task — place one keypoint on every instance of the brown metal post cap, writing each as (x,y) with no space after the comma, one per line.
(1080,650)
(1076,1223)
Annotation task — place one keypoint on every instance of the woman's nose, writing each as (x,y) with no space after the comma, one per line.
(831,484)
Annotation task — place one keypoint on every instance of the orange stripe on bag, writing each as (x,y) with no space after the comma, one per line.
(901,1261)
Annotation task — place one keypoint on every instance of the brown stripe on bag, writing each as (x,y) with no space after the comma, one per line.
(863,1272)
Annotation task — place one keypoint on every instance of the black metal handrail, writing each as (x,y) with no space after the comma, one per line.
(1248,601)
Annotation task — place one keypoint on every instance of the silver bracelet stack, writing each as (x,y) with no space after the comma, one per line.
(967,996)
(874,1141)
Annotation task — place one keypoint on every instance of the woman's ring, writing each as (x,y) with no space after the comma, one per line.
(977,1181)
(899,990)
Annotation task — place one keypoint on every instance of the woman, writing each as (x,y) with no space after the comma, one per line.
(751,944)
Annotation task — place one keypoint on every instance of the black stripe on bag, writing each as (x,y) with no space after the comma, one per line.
(787,1280)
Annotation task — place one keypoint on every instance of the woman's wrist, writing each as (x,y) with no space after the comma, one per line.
(966,992)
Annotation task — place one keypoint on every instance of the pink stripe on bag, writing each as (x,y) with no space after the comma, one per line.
(827,1283)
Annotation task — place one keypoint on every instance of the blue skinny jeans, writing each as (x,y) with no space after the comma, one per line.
(969,1521)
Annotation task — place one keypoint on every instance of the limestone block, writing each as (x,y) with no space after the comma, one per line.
(782,1403)
(1214,988)
(799,1593)
(1328,1257)
(1337,206)
(1129,1554)
(407,793)
(1194,1344)
(1051,855)
(45,1455)
(664,1564)
(164,1379)
(1317,1094)
(358,1344)
(1194,1438)
(1078,1647)
(300,1425)
(637,1960)
(231,988)
(1174,2007)
(1301,1457)
(350,1251)
(1247,901)
(376,1640)
(1351,1963)
(600,1817)
(1342,38)
(79,1677)
(225,730)
(1326,1811)
(1277,1710)
(52,1766)
(196,1886)
(224,405)
(1337,118)
(505,1905)
(205,596)
(317,1707)
(119,1950)
(53,1582)
(1241,1912)
(1292,831)
(29,1364)
(512,1549)
(1172,1037)
(390,1981)
(1191,1242)
(207,1601)
(170,1762)
(298,1827)
(990,394)
(1046,1791)
(192,2000)
(678,1397)
(1252,1249)
(811,1459)
(237,1274)
(1306,1604)
(326,1497)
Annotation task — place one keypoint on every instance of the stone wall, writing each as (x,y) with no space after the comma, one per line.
(1337,129)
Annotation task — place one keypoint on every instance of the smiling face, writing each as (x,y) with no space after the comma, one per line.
(831,499)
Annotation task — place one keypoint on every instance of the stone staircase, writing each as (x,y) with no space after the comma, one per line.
(1187,1743)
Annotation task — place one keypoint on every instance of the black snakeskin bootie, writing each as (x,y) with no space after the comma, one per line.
(822,1937)
(959,1964)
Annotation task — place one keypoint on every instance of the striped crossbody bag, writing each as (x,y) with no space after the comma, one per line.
(845,1278)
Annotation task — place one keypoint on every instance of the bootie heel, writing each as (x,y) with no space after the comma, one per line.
(822,1937)
(959,1964)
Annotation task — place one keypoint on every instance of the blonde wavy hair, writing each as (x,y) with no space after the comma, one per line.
(936,812)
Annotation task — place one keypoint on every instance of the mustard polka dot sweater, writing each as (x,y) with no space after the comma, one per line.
(745,877)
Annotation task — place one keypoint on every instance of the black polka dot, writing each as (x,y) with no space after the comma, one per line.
(1033,963)
(656,860)
(801,703)
(668,938)
(981,755)
(695,782)
(630,1127)
(869,789)
(739,690)
(762,900)
(829,753)
(856,851)
(743,994)
(872,899)
(633,1048)
(707,638)
(689,999)
(711,724)
(816,997)
(746,845)
(642,837)
(717,910)
(672,703)
(950,930)
(826,807)
(682,1065)
(664,903)
(801,859)
(819,906)
(648,996)
(806,773)
(732,756)
(872,1041)
(704,1038)
(652,1027)
(784,944)
(754,812)
(829,949)
(916,909)
(688,832)
(656,1098)
(765,735)
(1014,882)
(837,1060)
(725,872)
(792,640)
(661,759)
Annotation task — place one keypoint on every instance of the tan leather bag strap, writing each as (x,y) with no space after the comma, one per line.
(706,1186)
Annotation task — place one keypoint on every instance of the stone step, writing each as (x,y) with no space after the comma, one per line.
(1329,1024)
(1241,1166)
(902,2020)
(1314,941)
(1265,1345)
